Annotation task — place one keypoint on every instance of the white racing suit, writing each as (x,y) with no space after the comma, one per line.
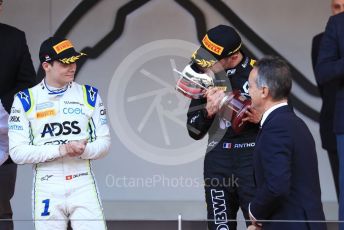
(64,187)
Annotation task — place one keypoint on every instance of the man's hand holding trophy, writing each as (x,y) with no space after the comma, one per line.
(231,106)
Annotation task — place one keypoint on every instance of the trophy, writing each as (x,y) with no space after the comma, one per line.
(193,84)
(233,107)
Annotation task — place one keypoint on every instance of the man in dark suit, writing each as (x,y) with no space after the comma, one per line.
(328,96)
(16,73)
(285,163)
(330,69)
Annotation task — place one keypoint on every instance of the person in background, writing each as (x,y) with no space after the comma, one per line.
(328,95)
(330,70)
(16,73)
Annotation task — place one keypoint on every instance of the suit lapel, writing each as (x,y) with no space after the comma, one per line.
(258,134)
(282,109)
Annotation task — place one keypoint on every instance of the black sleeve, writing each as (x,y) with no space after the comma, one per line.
(330,64)
(315,49)
(26,75)
(197,122)
(315,53)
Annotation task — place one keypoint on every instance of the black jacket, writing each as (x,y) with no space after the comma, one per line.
(286,173)
(16,68)
(328,95)
(330,66)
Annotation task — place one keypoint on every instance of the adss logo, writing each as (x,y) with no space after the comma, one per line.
(57,129)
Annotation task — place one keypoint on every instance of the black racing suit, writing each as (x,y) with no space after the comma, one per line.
(228,170)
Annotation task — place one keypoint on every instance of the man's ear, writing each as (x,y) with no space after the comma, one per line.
(45,66)
(265,92)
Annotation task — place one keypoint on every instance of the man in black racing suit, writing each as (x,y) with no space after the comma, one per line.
(228,172)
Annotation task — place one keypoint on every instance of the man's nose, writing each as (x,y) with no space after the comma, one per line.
(72,67)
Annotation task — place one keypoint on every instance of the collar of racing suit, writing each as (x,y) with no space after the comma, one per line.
(53,90)
(245,62)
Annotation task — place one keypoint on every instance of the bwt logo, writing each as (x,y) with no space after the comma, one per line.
(57,129)
(76,111)
(219,207)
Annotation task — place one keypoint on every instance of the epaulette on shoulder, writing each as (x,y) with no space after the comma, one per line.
(26,99)
(90,95)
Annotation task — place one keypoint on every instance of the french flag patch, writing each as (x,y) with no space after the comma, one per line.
(227,145)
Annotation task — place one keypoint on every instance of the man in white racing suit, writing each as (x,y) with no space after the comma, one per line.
(60,126)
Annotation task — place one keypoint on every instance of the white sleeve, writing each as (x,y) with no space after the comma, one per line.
(20,139)
(3,134)
(99,140)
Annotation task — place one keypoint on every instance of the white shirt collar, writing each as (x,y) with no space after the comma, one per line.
(267,112)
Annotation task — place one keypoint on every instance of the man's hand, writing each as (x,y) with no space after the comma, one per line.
(73,148)
(214,97)
(253,227)
(252,115)
(255,223)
